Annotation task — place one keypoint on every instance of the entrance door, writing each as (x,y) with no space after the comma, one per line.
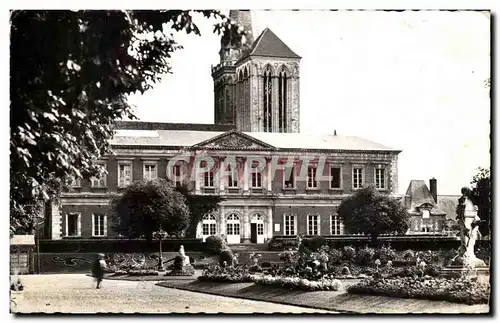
(253,232)
(233,228)
(257,229)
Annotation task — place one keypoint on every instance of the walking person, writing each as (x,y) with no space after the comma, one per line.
(98,269)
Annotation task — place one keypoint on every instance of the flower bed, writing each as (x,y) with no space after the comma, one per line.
(462,290)
(298,283)
(215,273)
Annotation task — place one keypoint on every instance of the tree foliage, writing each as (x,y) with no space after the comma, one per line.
(371,212)
(70,74)
(480,195)
(199,205)
(150,206)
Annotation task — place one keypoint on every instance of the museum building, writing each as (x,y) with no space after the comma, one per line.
(274,180)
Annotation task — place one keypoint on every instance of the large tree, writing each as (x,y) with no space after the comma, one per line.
(147,207)
(481,196)
(70,74)
(198,205)
(371,212)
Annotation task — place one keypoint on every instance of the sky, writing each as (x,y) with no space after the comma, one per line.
(412,80)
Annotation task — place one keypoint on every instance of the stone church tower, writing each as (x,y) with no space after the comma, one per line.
(256,85)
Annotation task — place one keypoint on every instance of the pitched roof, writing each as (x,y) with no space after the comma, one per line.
(320,142)
(268,44)
(292,141)
(417,195)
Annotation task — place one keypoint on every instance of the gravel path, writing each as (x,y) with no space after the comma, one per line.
(76,293)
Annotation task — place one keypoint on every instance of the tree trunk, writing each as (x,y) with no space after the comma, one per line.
(373,240)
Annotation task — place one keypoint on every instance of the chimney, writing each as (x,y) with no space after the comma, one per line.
(334,132)
(433,188)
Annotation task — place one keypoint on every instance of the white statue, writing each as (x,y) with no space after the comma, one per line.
(469,231)
(186,261)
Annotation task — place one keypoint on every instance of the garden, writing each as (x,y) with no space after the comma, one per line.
(314,266)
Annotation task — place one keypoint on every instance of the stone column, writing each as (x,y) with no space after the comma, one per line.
(269,180)
(246,225)
(270,228)
(220,176)
(197,179)
(245,175)
(56,221)
(222,221)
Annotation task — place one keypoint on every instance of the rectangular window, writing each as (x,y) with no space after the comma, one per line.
(380,178)
(335,177)
(150,172)
(357,178)
(290,181)
(311,177)
(124,175)
(289,224)
(99,225)
(208,176)
(209,179)
(313,225)
(232,178)
(256,178)
(336,226)
(72,224)
(176,172)
(100,180)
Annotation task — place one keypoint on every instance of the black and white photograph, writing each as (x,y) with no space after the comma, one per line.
(250,161)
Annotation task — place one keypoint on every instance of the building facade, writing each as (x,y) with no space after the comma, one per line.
(274,180)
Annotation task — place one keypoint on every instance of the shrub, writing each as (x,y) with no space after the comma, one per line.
(217,273)
(335,257)
(315,243)
(274,244)
(266,264)
(349,254)
(433,270)
(462,290)
(226,258)
(384,254)
(298,283)
(255,269)
(142,272)
(408,255)
(215,244)
(365,256)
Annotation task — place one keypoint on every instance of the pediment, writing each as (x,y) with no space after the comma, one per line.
(234,140)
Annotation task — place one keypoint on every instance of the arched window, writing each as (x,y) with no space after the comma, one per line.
(233,224)
(282,100)
(209,225)
(268,90)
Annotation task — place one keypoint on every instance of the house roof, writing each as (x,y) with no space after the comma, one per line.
(418,194)
(268,44)
(292,141)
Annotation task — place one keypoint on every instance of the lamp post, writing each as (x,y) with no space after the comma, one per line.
(160,235)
